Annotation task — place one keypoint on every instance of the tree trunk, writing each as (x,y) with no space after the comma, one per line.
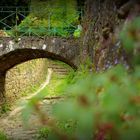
(2,88)
(101,24)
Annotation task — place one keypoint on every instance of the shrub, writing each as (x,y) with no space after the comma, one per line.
(55,18)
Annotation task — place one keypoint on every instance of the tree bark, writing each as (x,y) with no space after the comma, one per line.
(101,25)
(2,88)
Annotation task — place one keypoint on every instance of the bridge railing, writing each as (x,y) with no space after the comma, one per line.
(23,21)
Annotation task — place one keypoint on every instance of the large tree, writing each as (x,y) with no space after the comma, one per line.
(102,21)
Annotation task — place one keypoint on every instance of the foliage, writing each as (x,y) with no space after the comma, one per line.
(43,133)
(55,18)
(103,104)
(77,32)
(3,136)
(100,105)
(130,37)
(4,108)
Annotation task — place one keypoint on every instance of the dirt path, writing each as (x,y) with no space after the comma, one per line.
(12,125)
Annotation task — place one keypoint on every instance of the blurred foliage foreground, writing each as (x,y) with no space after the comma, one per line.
(100,106)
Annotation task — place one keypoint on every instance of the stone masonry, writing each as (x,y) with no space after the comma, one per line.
(16,51)
(25,78)
(13,52)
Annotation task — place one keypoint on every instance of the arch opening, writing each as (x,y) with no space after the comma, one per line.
(18,56)
(27,78)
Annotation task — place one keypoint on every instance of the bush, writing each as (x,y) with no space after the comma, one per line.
(103,105)
(57,18)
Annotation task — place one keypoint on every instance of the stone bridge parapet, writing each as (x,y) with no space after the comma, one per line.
(13,52)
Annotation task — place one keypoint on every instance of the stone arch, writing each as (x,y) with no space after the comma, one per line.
(9,60)
(13,52)
(18,56)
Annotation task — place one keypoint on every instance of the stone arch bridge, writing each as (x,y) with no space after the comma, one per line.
(16,51)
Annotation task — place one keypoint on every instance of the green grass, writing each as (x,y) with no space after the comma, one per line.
(56,86)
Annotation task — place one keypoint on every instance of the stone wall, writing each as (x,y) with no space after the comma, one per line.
(25,78)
